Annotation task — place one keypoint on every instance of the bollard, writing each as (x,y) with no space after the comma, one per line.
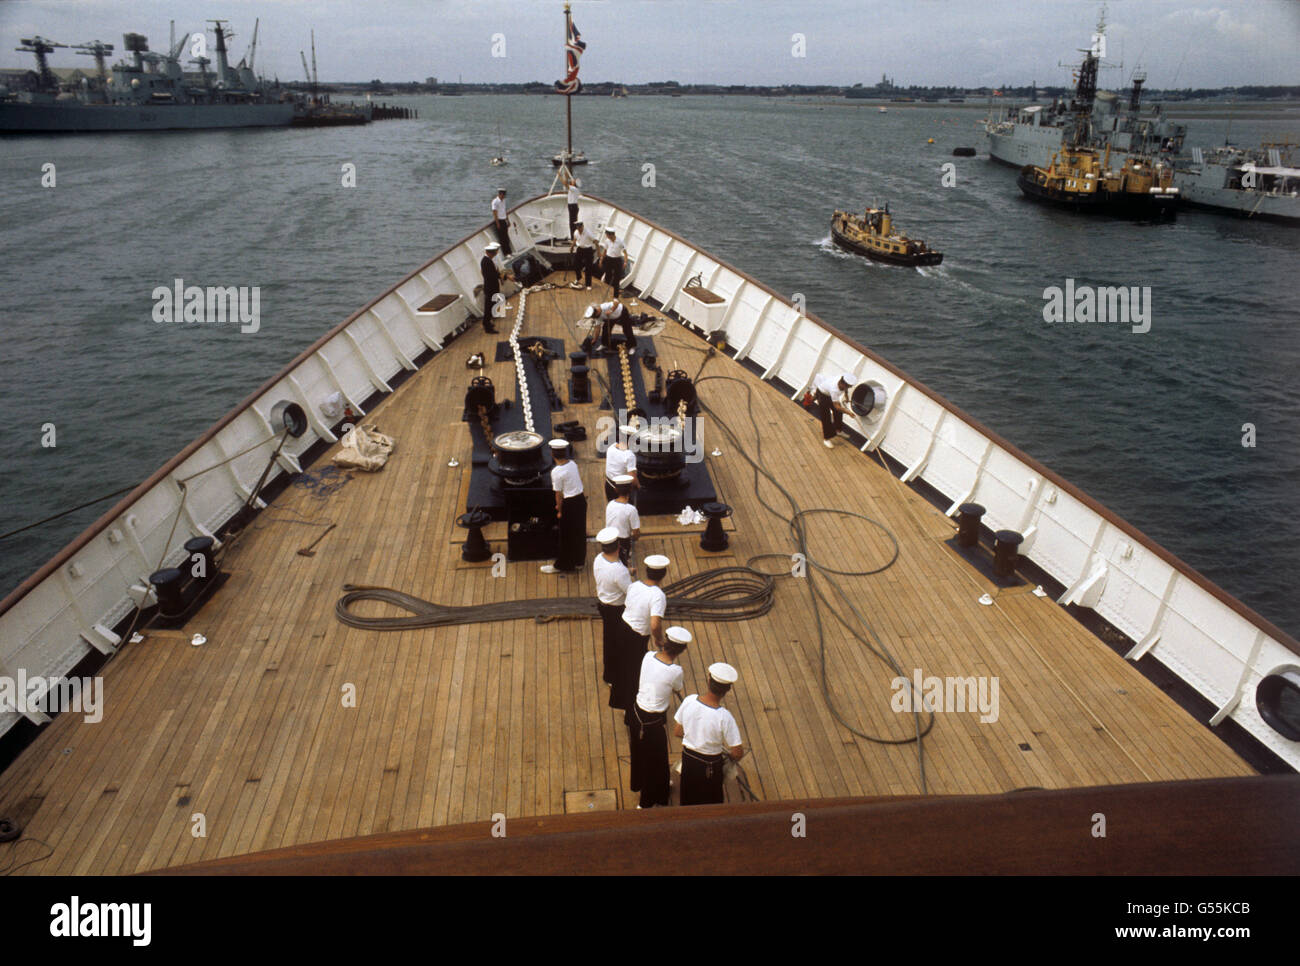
(475,548)
(968,525)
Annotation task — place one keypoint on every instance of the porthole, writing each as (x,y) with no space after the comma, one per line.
(1278,701)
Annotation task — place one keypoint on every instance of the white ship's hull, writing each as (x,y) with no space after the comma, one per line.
(19,118)
(1221,648)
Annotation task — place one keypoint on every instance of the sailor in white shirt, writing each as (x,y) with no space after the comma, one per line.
(643,620)
(570,509)
(709,736)
(571,197)
(606,316)
(612,580)
(622,516)
(584,245)
(647,732)
(620,460)
(831,396)
(501,221)
(613,263)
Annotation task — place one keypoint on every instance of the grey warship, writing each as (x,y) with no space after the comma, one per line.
(1098,119)
(1261,183)
(150,92)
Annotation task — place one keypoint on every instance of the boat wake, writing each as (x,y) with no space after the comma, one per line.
(830,248)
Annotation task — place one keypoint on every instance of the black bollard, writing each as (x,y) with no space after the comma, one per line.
(714,539)
(169,584)
(475,548)
(968,525)
(1005,552)
(203,547)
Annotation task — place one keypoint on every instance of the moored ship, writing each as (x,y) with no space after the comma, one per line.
(1032,134)
(1261,183)
(151,92)
(874,234)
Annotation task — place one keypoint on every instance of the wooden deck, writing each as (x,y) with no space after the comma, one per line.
(251,730)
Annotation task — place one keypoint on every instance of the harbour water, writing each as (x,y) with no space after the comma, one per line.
(1150,424)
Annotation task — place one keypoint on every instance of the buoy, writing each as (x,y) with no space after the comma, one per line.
(929,141)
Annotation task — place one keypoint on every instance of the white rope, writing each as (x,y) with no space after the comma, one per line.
(519,362)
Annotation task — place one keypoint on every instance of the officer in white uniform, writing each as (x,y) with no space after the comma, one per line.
(620,460)
(647,732)
(501,221)
(571,197)
(570,509)
(612,580)
(831,396)
(709,737)
(643,621)
(621,515)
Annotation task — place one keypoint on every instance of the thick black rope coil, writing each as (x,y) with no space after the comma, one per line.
(724,594)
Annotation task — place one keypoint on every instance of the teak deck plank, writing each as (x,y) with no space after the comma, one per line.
(458,724)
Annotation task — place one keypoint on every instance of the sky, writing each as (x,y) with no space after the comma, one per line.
(972,43)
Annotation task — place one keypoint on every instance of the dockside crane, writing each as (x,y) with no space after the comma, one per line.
(96,49)
(39,46)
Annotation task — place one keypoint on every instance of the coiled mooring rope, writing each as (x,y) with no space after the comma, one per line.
(723,594)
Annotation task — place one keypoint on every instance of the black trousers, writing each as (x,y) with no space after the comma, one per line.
(503,236)
(585,263)
(611,623)
(832,418)
(611,271)
(627,669)
(489,323)
(573,534)
(647,736)
(701,778)
(625,322)
(573,219)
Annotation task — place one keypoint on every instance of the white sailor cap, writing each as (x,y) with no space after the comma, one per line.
(491,246)
(608,535)
(846,378)
(501,191)
(678,635)
(609,231)
(723,673)
(623,478)
(627,429)
(591,312)
(558,444)
(657,562)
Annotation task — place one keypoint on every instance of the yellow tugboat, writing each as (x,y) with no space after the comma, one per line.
(1082,180)
(874,235)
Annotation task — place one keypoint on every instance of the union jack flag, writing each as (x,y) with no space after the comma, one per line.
(573,48)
